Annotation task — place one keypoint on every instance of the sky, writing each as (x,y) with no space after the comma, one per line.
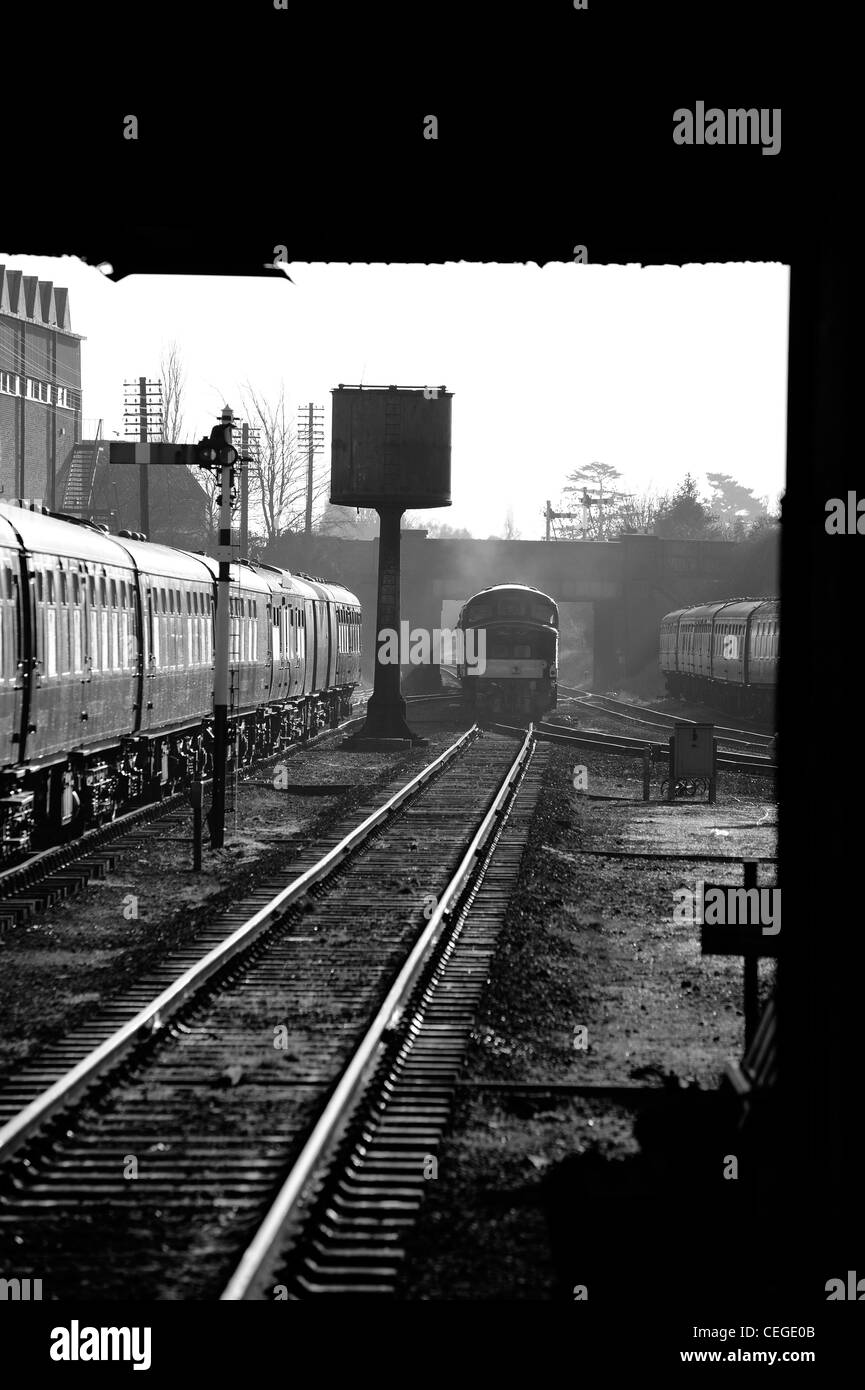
(657,371)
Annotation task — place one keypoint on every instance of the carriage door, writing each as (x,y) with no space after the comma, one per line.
(88,621)
(150,656)
(12,677)
(270,667)
(321,644)
(332,642)
(313,649)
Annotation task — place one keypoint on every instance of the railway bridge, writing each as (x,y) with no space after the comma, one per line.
(630,583)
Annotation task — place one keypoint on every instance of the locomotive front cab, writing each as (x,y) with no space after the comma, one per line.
(513,634)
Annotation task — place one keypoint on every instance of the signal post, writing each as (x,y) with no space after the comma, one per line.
(219,454)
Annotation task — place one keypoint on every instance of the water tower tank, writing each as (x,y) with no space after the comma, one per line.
(391,444)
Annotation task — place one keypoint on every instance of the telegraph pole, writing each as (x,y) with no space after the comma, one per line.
(143,413)
(310,434)
(244,494)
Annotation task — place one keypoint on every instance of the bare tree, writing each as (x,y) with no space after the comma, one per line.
(173,379)
(436,530)
(635,515)
(172,376)
(350,523)
(278,471)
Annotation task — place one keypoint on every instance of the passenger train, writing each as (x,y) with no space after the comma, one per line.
(723,653)
(106,669)
(519,673)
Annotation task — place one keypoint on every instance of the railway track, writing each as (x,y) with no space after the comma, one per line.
(622,743)
(643,714)
(146,1168)
(61,870)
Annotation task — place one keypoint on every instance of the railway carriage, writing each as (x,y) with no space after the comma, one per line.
(518,672)
(725,653)
(106,669)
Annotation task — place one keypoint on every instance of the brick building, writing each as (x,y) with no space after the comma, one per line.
(40,386)
(178,507)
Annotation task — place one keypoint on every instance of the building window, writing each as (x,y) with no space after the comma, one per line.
(9,383)
(61,397)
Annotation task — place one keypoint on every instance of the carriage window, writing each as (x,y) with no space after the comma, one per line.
(50,581)
(62,580)
(50,642)
(76,639)
(113,593)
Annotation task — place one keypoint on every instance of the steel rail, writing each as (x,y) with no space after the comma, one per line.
(155,1015)
(615,743)
(355,1075)
(662,717)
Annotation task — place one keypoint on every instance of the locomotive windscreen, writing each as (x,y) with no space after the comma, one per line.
(508,607)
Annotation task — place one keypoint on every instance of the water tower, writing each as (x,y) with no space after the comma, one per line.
(391,450)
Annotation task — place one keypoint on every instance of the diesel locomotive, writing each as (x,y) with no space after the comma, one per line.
(106,670)
(514,630)
(723,653)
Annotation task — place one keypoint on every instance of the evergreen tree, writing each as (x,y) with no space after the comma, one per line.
(684,516)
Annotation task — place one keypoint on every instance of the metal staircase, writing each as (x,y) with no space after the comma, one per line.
(78,486)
